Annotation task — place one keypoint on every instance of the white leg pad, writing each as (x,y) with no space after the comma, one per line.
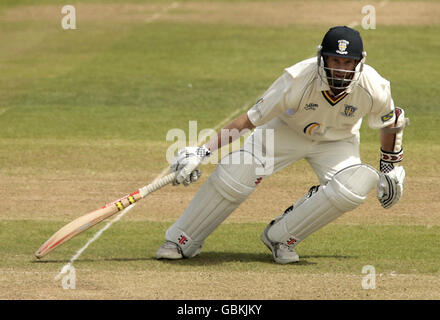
(228,186)
(346,191)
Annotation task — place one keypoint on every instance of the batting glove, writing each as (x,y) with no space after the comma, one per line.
(390,187)
(187,162)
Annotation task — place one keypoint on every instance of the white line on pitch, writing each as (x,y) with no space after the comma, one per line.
(157,15)
(66,267)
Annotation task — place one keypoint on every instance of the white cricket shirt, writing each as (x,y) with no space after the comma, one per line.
(300,98)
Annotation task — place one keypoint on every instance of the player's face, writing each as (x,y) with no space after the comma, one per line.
(341,64)
(340,71)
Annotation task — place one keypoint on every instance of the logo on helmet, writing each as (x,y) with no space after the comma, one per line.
(342,46)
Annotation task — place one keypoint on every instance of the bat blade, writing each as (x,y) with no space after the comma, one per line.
(84,223)
(88,220)
(74,228)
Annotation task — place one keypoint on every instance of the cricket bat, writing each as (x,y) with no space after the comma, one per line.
(90,219)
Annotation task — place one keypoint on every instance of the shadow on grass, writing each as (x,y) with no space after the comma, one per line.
(63,261)
(327,256)
(211,258)
(215,258)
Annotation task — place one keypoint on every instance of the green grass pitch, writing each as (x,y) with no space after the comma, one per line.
(88,110)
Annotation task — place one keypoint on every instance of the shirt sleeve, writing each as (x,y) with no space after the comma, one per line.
(382,112)
(273,102)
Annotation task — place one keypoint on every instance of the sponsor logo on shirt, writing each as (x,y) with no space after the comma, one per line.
(388,116)
(311,106)
(308,129)
(314,129)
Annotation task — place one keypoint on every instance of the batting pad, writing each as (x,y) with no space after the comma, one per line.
(344,192)
(228,186)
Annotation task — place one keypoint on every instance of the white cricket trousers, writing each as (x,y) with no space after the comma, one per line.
(325,157)
(231,183)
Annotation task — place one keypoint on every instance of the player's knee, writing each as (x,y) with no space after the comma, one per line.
(237,175)
(234,179)
(350,186)
(344,192)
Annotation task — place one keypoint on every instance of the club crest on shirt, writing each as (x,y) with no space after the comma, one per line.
(342,46)
(349,111)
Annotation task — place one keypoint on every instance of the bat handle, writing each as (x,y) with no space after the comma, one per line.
(157,184)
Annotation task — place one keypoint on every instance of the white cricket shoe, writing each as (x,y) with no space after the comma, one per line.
(281,252)
(169,250)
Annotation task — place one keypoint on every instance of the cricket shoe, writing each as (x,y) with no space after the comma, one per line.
(282,253)
(169,250)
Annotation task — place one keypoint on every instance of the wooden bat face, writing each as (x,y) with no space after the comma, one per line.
(85,222)
(88,220)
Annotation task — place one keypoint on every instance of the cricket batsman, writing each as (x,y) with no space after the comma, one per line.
(313,111)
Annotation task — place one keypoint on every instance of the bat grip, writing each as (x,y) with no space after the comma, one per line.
(157,184)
